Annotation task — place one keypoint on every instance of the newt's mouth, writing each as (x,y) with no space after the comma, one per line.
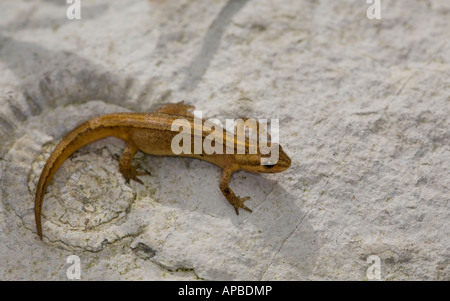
(279,163)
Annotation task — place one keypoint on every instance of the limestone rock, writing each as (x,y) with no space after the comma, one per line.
(363,107)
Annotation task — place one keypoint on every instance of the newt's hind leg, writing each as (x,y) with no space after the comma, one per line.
(126,167)
(178,108)
(235,201)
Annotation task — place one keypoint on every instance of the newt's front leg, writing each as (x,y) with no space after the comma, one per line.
(234,200)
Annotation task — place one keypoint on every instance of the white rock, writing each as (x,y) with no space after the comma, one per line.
(364,114)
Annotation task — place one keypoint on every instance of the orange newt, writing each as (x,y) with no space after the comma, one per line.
(151,133)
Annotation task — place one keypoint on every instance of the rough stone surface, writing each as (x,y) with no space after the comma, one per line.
(364,110)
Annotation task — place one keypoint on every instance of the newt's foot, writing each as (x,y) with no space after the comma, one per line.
(131,174)
(135,178)
(178,108)
(234,200)
(239,203)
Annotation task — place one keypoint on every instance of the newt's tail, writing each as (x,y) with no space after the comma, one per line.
(88,132)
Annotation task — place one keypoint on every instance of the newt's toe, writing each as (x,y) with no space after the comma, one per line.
(240,204)
(138,180)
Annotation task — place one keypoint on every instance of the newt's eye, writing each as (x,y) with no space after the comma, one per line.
(269,166)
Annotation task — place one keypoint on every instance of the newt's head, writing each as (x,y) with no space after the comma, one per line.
(273,162)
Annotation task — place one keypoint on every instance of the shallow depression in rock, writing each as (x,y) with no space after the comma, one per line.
(86,193)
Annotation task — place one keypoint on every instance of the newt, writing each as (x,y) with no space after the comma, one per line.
(152,134)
